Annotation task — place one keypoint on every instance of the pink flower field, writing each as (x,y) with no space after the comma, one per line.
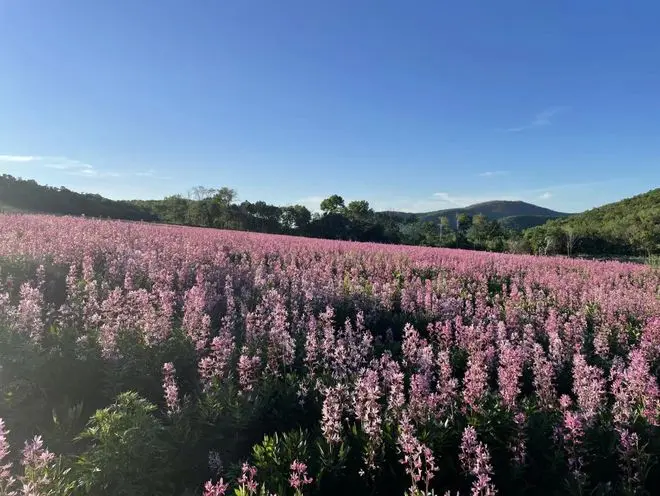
(263,364)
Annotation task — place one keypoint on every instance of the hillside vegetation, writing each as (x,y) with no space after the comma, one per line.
(630,226)
(495,210)
(514,215)
(26,195)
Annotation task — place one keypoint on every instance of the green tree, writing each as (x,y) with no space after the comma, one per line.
(295,217)
(359,209)
(332,205)
(463,223)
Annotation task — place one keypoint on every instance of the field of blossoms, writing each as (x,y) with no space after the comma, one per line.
(140,359)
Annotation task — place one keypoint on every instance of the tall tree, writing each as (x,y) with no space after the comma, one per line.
(332,205)
(359,209)
(295,217)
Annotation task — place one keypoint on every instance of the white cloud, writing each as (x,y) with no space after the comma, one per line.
(493,173)
(541,119)
(74,167)
(63,163)
(436,201)
(311,202)
(19,158)
(546,196)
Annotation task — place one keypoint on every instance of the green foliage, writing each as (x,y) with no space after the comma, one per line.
(332,205)
(275,454)
(27,195)
(128,452)
(627,227)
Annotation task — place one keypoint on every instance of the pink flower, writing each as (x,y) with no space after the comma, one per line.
(588,386)
(196,322)
(6,478)
(170,388)
(509,373)
(215,364)
(475,460)
(476,381)
(217,489)
(394,385)
(417,458)
(447,385)
(518,445)
(29,318)
(367,409)
(299,478)
(248,370)
(572,436)
(35,456)
(246,480)
(544,377)
(331,414)
(635,390)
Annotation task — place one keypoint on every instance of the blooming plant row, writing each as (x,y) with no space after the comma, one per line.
(167,360)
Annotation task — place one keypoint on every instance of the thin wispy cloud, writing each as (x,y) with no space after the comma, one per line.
(51,162)
(66,164)
(494,173)
(19,158)
(545,196)
(544,118)
(73,167)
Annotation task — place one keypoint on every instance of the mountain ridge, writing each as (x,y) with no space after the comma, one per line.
(516,214)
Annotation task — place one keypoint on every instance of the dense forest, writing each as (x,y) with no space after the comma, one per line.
(628,227)
(28,195)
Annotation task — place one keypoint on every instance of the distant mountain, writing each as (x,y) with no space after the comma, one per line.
(515,215)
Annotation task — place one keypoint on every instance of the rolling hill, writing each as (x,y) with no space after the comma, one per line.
(516,215)
(628,226)
(19,195)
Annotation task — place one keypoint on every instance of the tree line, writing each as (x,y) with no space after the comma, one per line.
(629,227)
(30,196)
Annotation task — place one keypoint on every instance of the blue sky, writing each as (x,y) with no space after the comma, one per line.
(411,105)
